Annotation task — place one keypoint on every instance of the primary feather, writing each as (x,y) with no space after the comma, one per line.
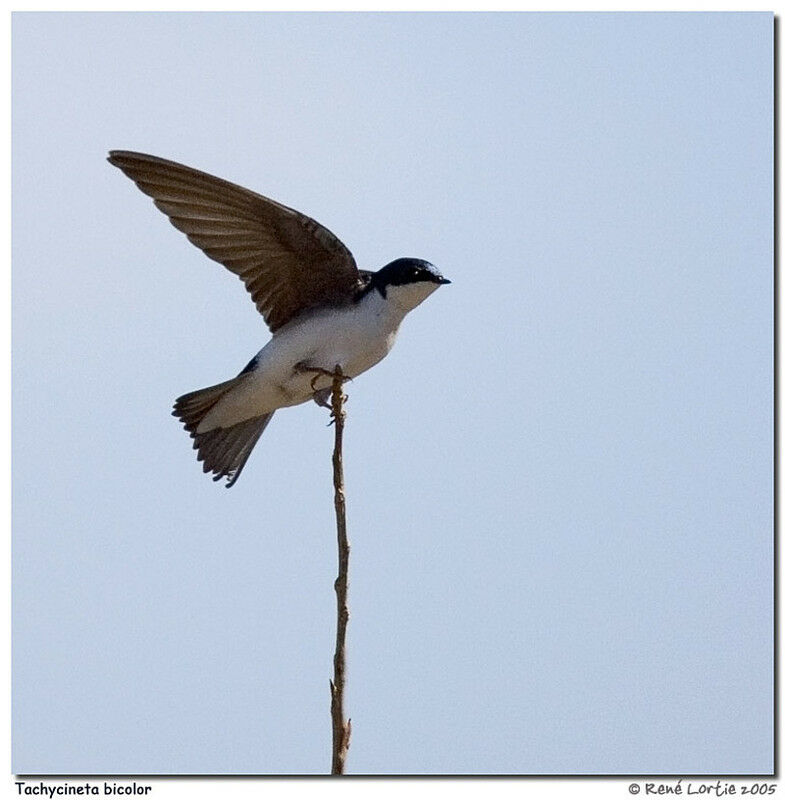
(288,262)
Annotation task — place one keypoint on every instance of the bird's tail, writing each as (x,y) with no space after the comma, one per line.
(223,450)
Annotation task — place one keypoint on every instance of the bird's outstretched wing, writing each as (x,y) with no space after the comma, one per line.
(287,261)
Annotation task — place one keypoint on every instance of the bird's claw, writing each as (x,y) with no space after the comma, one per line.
(320,372)
(332,411)
(323,396)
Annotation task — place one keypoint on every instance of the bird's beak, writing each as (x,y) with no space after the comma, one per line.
(442,280)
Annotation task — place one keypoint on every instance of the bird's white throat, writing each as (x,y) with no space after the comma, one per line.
(410,295)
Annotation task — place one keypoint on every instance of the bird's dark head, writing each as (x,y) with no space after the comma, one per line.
(409,270)
(407,281)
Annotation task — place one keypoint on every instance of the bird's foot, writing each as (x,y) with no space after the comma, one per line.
(323,397)
(320,372)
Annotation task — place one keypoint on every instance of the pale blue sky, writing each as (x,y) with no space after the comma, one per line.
(559,482)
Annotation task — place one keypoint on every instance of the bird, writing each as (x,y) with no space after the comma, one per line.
(327,317)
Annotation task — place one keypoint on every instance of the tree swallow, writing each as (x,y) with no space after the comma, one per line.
(324,313)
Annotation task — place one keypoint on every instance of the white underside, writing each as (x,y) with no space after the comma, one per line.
(355,338)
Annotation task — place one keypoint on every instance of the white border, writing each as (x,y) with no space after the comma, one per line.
(240,788)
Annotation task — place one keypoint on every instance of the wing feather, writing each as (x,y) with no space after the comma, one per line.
(287,261)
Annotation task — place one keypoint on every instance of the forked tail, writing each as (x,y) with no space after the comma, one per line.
(223,450)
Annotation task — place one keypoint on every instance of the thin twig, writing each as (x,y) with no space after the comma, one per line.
(341,729)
